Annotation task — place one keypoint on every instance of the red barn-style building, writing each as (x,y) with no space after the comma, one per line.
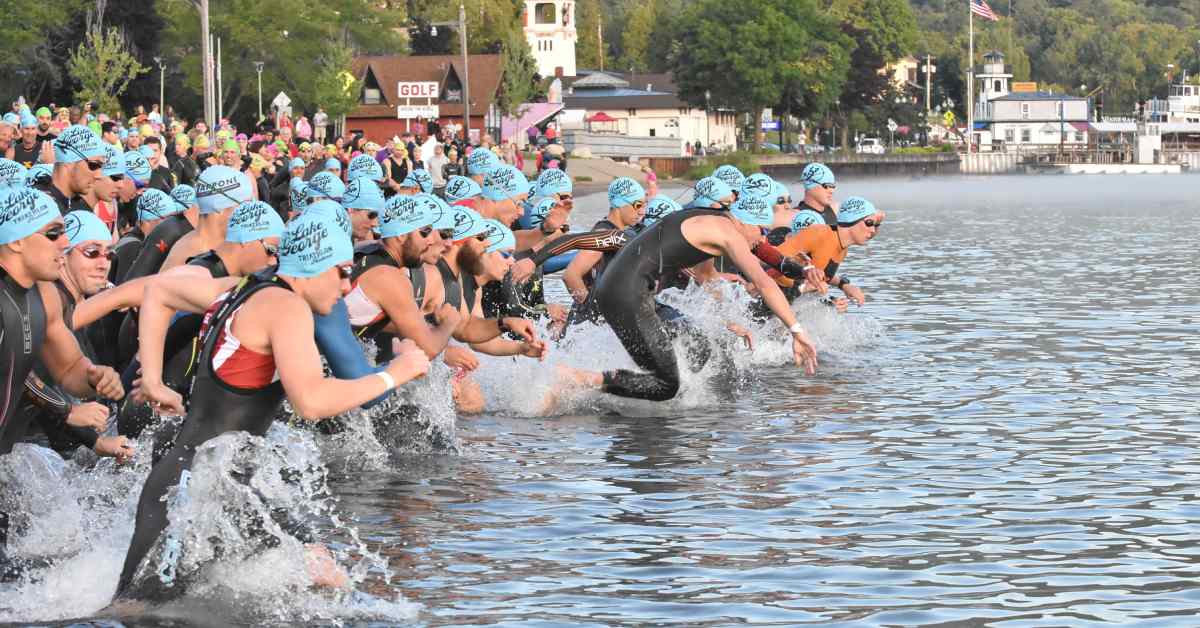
(377,113)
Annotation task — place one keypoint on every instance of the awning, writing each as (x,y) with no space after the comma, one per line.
(1112,127)
(981,126)
(601,117)
(1082,127)
(530,114)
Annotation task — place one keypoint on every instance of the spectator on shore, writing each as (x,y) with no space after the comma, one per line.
(320,124)
(436,166)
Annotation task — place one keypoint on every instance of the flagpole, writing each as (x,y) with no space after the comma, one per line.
(970,76)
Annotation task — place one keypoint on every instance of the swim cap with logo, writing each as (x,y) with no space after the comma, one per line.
(504,182)
(146,151)
(114,162)
(404,214)
(752,210)
(553,181)
(499,237)
(28,121)
(460,188)
(77,143)
(154,204)
(363,194)
(482,161)
(296,162)
(325,185)
(364,166)
(759,185)
(313,243)
(467,222)
(296,193)
(440,208)
(23,211)
(625,191)
(184,195)
(136,166)
(12,174)
(536,213)
(731,176)
(659,207)
(816,174)
(39,173)
(710,190)
(853,210)
(252,221)
(83,226)
(779,191)
(806,218)
(333,211)
(420,179)
(333,164)
(13,119)
(220,187)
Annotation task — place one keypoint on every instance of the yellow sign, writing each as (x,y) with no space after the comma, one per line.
(948,118)
(1024,86)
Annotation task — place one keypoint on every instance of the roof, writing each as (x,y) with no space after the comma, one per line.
(389,70)
(1037,96)
(641,101)
(599,79)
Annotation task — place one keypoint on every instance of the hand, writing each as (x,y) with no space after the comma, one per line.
(580,295)
(460,357)
(114,447)
(535,349)
(90,415)
(447,314)
(522,271)
(841,304)
(47,153)
(556,218)
(410,362)
(520,327)
(323,569)
(105,382)
(557,312)
(162,399)
(742,333)
(804,352)
(816,279)
(855,293)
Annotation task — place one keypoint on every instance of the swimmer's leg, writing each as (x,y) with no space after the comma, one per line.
(641,331)
(152,518)
(467,395)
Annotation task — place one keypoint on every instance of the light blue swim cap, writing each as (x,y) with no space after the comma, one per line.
(467,222)
(84,226)
(154,204)
(325,185)
(137,167)
(13,119)
(536,213)
(27,120)
(460,188)
(313,243)
(402,215)
(184,195)
(759,185)
(730,175)
(12,174)
(296,193)
(499,237)
(114,162)
(333,164)
(77,143)
(553,181)
(482,161)
(625,191)
(220,187)
(710,190)
(753,210)
(363,194)
(806,218)
(334,212)
(23,211)
(38,172)
(296,162)
(364,166)
(816,174)
(420,179)
(504,182)
(853,210)
(252,221)
(658,208)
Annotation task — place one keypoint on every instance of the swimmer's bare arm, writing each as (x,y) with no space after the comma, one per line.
(67,365)
(392,290)
(180,252)
(573,274)
(164,295)
(738,251)
(314,396)
(92,309)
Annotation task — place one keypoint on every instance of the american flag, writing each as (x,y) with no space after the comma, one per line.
(981,8)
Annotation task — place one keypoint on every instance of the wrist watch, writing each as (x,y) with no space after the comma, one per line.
(842,281)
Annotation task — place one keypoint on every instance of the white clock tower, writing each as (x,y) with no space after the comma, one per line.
(550,31)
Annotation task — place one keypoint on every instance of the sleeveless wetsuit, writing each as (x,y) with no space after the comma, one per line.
(149,261)
(625,296)
(235,389)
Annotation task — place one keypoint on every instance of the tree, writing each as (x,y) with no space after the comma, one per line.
(103,67)
(588,49)
(335,87)
(518,83)
(883,31)
(635,39)
(745,53)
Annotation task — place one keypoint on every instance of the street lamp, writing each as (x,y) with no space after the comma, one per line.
(162,71)
(461,25)
(707,122)
(258,67)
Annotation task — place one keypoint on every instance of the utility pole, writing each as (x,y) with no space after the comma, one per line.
(600,42)
(220,94)
(162,73)
(466,77)
(206,52)
(258,67)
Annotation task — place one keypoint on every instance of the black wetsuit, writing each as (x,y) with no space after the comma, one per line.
(216,408)
(625,296)
(23,330)
(149,261)
(588,311)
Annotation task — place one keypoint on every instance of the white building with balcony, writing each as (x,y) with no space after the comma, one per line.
(1029,119)
(550,31)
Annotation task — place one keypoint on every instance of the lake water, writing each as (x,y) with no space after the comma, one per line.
(1006,433)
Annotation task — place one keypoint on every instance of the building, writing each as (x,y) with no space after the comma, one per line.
(400,93)
(1025,118)
(550,31)
(642,105)
(903,72)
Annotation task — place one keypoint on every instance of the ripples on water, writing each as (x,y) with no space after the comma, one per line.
(1004,434)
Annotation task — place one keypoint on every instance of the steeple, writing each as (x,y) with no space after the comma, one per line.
(550,31)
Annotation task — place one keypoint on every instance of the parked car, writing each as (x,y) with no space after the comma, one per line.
(769,147)
(869,146)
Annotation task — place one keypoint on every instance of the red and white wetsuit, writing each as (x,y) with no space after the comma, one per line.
(233,363)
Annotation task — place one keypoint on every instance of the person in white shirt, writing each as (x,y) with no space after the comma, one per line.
(320,122)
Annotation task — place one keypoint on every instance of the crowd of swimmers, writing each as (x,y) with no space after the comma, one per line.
(200,302)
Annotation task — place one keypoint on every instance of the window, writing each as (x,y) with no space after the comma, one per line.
(1079,137)
(543,13)
(372,96)
(1058,109)
(1025,136)
(1024,113)
(652,132)
(1010,135)
(996,86)
(912,75)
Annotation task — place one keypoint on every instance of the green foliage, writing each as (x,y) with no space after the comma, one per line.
(517,84)
(741,160)
(335,87)
(103,67)
(588,50)
(923,150)
(635,39)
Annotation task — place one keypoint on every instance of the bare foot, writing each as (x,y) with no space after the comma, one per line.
(569,380)
(323,570)
(467,395)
